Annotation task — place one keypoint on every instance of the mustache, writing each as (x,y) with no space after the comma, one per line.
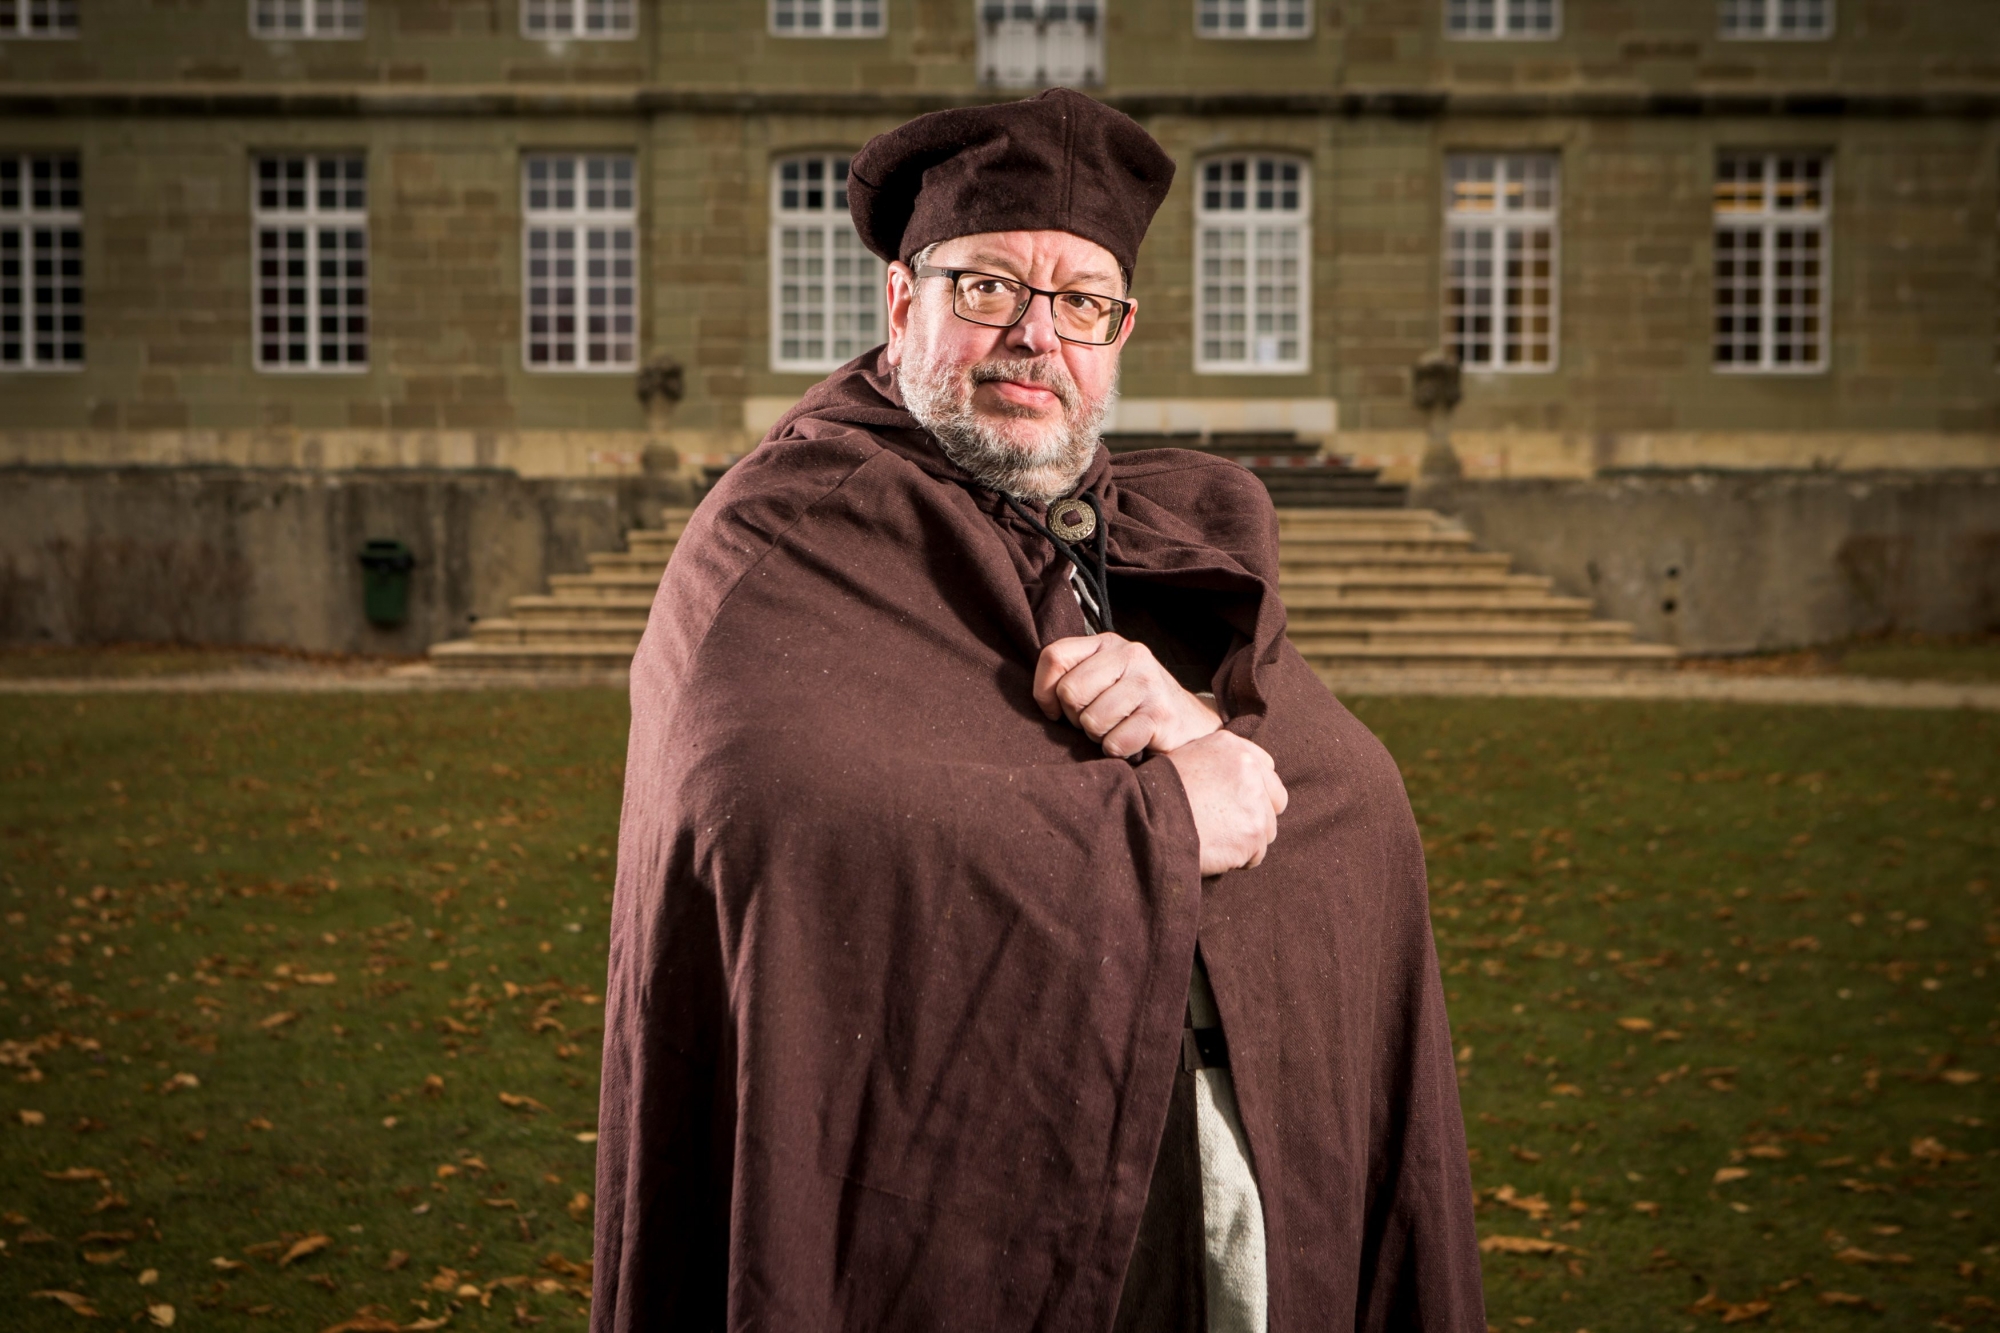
(1029,371)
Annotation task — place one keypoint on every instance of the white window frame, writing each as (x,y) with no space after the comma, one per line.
(319,20)
(1088,13)
(40,20)
(1509,20)
(1526,205)
(33,222)
(1769,26)
(1768,221)
(612,218)
(1260,243)
(314,219)
(1262,20)
(620,20)
(832,229)
(787,18)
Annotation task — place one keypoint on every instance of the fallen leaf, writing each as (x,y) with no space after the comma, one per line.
(1769,1152)
(502,1203)
(1725,1174)
(518,1102)
(1960,1077)
(32,1118)
(1744,1313)
(114,1237)
(1523,1245)
(397,1259)
(1566,1090)
(579,1206)
(425,1325)
(75,1302)
(109,1202)
(179,1081)
(1855,1255)
(149,1277)
(433,1086)
(555,1263)
(1534,1205)
(312,1244)
(227,1265)
(1930,1150)
(257,1122)
(587,1136)
(1848,1298)
(315,979)
(272,1022)
(1646,1206)
(364,1323)
(75,1173)
(1636,1024)
(103,1256)
(161,1315)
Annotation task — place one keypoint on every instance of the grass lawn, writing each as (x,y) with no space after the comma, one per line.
(301,1011)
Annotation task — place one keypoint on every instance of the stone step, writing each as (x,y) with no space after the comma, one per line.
(1290,518)
(1293,560)
(1623,657)
(1303,530)
(541,606)
(673,520)
(628,562)
(1378,610)
(1336,547)
(1475,635)
(1422,584)
(604,631)
(468,655)
(621,584)
(651,540)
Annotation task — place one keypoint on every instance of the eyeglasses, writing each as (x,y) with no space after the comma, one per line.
(999,302)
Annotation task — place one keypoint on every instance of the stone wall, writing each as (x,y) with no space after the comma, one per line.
(1722,562)
(268,556)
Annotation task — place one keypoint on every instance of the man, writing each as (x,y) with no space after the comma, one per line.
(1011,932)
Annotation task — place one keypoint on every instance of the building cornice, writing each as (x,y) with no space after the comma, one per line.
(331,100)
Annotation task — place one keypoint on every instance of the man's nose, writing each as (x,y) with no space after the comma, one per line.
(1035,332)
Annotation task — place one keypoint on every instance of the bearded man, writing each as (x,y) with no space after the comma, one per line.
(1011,931)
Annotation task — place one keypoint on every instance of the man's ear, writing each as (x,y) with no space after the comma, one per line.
(898,289)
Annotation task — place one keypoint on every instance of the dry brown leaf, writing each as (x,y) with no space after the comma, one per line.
(31,1118)
(315,979)
(1769,1152)
(101,1237)
(103,1256)
(149,1277)
(1534,1205)
(364,1323)
(227,1265)
(75,1173)
(579,1206)
(515,1204)
(1523,1245)
(519,1102)
(109,1202)
(1646,1206)
(1636,1024)
(425,1325)
(1931,1150)
(162,1315)
(1725,1174)
(312,1244)
(555,1263)
(1960,1077)
(1744,1313)
(1566,1090)
(1854,1254)
(1847,1298)
(271,1022)
(80,1304)
(178,1082)
(397,1259)
(258,1123)
(433,1085)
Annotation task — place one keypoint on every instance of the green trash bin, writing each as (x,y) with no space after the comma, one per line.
(385,581)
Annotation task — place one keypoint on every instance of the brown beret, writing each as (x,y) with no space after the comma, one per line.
(1059,162)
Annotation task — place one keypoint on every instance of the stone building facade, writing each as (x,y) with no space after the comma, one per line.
(348,233)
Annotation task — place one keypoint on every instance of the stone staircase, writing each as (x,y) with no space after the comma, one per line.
(1367,590)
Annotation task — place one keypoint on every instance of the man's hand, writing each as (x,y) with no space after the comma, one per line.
(1236,795)
(1117,692)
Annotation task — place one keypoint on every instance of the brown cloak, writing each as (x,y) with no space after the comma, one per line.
(898,966)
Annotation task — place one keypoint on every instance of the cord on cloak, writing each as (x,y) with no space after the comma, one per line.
(1072,524)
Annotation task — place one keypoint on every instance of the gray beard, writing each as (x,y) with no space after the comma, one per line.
(941,401)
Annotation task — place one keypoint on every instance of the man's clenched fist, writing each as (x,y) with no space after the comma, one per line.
(1234,789)
(1117,692)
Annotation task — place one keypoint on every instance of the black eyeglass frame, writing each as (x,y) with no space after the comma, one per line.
(1117,326)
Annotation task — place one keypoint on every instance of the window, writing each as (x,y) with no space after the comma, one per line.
(310,215)
(1251,308)
(1524,19)
(579,18)
(38,18)
(827,18)
(1771,220)
(41,263)
(307,18)
(582,256)
(1037,43)
(826,290)
(1759,19)
(1500,260)
(1253,18)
